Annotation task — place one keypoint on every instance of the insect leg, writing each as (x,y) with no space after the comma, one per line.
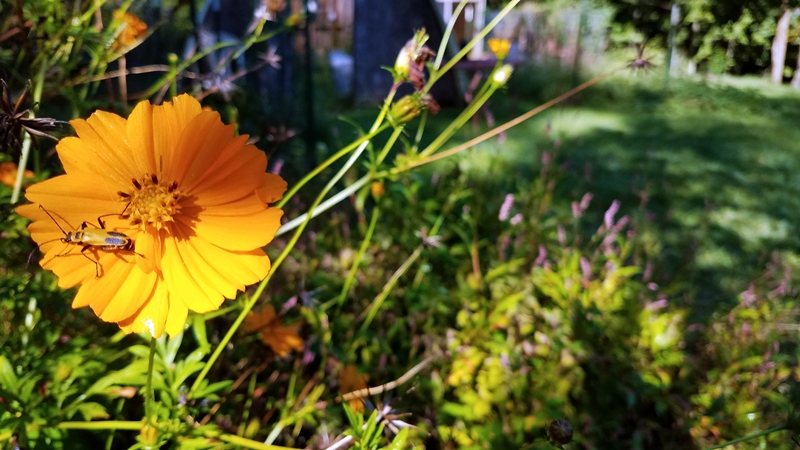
(96,264)
(122,214)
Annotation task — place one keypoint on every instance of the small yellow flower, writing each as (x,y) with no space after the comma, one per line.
(133,29)
(8,173)
(351,381)
(500,47)
(280,339)
(195,201)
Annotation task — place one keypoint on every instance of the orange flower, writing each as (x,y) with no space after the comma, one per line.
(8,173)
(281,339)
(351,381)
(500,47)
(132,29)
(193,197)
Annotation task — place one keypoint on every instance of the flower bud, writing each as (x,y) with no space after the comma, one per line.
(407,108)
(296,20)
(560,432)
(501,75)
(148,435)
(402,65)
(377,189)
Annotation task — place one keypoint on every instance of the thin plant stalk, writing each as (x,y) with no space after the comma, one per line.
(150,400)
(389,144)
(351,276)
(326,205)
(471,110)
(501,128)
(373,308)
(27,140)
(464,51)
(335,157)
(248,443)
(420,129)
(447,32)
(101,425)
(345,193)
(748,437)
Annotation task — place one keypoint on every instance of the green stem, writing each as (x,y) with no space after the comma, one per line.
(247,443)
(464,51)
(351,276)
(172,58)
(250,302)
(747,438)
(27,140)
(336,156)
(420,128)
(447,32)
(151,396)
(376,304)
(462,118)
(389,144)
(326,205)
(248,404)
(101,425)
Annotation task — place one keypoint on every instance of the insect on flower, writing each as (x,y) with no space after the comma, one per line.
(97,237)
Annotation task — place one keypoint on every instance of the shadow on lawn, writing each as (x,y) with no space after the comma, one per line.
(714,169)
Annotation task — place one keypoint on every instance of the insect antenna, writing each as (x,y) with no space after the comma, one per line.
(53,219)
(51,240)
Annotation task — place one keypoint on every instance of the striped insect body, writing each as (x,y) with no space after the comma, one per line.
(91,236)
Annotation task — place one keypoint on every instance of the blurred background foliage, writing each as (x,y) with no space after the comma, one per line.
(623,262)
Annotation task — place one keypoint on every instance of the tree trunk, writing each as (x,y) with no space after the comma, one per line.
(779,46)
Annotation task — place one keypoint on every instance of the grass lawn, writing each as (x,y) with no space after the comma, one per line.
(708,169)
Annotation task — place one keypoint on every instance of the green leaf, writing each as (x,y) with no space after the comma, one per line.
(173,345)
(92,411)
(355,420)
(455,410)
(199,330)
(503,269)
(400,442)
(8,379)
(135,374)
(207,390)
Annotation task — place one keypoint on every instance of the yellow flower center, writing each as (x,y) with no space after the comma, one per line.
(151,203)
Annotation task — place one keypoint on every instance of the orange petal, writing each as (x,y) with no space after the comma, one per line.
(271,188)
(176,319)
(169,121)
(225,186)
(129,295)
(236,149)
(120,290)
(111,134)
(140,137)
(116,266)
(72,269)
(244,231)
(148,247)
(181,283)
(201,143)
(151,318)
(74,199)
(87,155)
(199,267)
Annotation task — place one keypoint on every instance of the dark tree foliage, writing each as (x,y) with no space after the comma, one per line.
(719,35)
